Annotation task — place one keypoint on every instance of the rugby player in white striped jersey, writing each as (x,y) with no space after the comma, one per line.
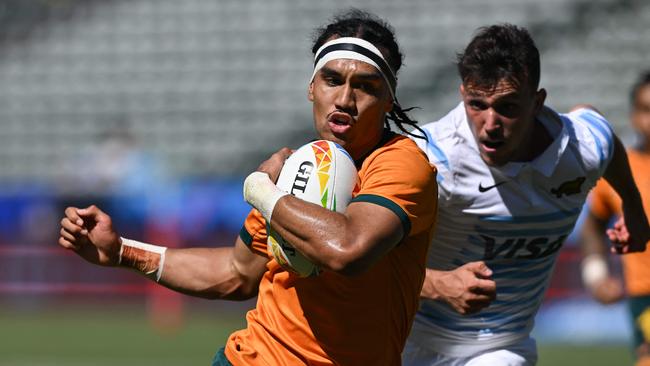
(513,176)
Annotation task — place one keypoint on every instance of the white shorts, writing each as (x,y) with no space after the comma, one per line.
(523,353)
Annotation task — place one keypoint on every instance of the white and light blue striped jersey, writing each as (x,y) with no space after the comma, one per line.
(514,217)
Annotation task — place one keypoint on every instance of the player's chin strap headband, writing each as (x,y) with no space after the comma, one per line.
(355,49)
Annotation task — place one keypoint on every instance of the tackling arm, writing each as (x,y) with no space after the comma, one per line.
(632,232)
(629,235)
(619,176)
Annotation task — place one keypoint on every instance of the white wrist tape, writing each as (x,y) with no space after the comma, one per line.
(262,194)
(146,258)
(594,270)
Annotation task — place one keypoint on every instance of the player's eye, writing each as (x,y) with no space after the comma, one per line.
(477,105)
(507,109)
(643,108)
(332,80)
(368,87)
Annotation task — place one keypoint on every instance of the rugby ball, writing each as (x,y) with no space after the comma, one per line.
(320,172)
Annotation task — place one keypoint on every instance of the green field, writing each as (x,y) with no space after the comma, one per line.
(118,335)
(112,335)
(596,355)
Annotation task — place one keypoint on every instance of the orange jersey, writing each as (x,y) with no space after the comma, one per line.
(605,203)
(331,319)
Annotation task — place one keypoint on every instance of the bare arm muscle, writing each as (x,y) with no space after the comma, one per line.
(347,242)
(218,273)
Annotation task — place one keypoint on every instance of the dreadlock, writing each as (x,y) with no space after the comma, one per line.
(400,118)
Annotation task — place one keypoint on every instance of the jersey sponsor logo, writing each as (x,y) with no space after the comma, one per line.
(523,248)
(302,177)
(569,187)
(485,189)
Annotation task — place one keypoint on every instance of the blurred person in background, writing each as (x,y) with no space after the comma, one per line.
(605,206)
(359,310)
(513,177)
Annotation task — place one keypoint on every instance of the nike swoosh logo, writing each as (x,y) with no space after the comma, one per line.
(485,189)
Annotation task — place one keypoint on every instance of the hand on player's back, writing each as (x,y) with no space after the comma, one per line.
(89,232)
(467,289)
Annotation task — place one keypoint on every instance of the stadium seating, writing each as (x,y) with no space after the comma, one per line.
(211,88)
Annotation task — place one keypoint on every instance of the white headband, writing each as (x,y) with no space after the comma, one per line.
(355,49)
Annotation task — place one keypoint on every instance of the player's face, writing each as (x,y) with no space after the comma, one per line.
(502,120)
(641,112)
(350,101)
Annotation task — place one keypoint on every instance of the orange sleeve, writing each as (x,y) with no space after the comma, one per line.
(401,179)
(603,201)
(253,233)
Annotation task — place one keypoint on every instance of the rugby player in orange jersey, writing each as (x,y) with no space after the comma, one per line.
(604,205)
(359,309)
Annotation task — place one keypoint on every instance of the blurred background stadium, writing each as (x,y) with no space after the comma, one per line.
(156,109)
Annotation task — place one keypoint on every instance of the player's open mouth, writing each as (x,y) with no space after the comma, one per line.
(339,122)
(492,145)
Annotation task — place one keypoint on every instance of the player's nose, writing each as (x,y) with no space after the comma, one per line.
(492,122)
(345,99)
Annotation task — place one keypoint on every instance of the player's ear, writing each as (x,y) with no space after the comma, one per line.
(389,106)
(540,98)
(310,92)
(462,90)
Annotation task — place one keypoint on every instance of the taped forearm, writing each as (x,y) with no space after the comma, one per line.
(145,258)
(262,194)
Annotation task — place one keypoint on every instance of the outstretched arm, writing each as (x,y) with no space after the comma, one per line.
(230,273)
(631,233)
(226,273)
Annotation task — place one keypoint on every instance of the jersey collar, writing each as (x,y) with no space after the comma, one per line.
(385,137)
(549,159)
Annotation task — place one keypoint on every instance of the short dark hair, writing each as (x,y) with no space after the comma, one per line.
(502,51)
(362,24)
(641,82)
